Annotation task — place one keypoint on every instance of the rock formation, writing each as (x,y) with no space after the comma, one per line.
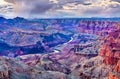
(110,50)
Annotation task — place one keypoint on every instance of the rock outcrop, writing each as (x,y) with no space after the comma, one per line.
(15,69)
(110,51)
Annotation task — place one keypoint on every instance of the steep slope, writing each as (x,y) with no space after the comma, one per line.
(110,51)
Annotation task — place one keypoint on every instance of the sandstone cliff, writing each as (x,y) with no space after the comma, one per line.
(110,51)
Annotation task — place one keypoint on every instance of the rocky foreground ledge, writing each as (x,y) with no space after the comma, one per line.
(45,67)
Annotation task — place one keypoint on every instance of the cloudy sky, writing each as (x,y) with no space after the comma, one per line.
(59,8)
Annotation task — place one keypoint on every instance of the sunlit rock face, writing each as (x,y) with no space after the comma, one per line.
(111,52)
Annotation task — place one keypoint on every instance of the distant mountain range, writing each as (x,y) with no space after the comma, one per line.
(92,18)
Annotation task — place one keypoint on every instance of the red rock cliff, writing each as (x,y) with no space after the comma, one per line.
(110,50)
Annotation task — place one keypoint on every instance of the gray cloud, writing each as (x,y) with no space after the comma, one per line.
(6,9)
(116,0)
(85,2)
(32,6)
(93,11)
(71,8)
(10,1)
(115,6)
(41,8)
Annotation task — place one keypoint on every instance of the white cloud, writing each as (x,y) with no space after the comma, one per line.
(65,8)
(105,8)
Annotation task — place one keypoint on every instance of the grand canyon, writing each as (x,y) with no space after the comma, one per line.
(67,48)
